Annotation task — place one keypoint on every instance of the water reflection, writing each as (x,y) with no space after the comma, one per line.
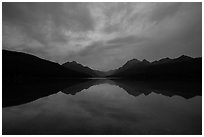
(16,93)
(109,107)
(135,88)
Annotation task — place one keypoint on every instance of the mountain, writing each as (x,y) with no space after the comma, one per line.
(164,60)
(183,67)
(17,66)
(82,69)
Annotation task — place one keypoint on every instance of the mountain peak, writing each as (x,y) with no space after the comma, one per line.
(145,61)
(133,61)
(130,63)
(74,62)
(164,60)
(81,68)
(184,58)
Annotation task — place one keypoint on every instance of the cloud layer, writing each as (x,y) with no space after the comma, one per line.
(103,35)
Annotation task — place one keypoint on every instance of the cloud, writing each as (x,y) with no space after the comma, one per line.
(164,10)
(126,40)
(46,22)
(103,35)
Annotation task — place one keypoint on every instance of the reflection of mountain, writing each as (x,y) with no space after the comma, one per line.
(184,68)
(17,93)
(85,85)
(79,87)
(170,88)
(136,88)
(22,93)
(23,67)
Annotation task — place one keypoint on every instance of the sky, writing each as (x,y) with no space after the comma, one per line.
(103,36)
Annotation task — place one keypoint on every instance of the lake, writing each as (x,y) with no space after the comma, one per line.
(106,107)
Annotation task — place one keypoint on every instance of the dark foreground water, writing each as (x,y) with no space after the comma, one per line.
(109,107)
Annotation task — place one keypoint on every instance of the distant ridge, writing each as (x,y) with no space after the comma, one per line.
(181,68)
(82,69)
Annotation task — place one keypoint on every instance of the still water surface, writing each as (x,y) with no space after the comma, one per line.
(106,108)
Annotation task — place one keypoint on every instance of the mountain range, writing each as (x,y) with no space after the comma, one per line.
(183,67)
(22,66)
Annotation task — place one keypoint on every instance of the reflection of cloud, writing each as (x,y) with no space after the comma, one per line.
(111,112)
(103,35)
(113,106)
(103,109)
